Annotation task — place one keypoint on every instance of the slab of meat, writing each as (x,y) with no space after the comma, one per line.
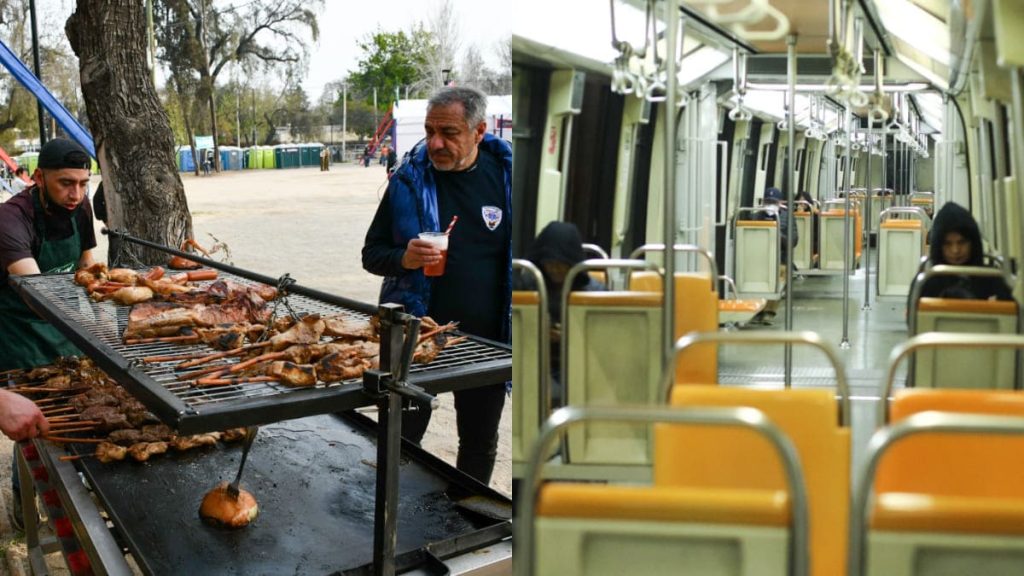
(153,319)
(143,450)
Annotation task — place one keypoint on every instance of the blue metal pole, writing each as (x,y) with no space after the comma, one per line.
(27,79)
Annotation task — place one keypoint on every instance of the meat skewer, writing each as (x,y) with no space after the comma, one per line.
(225,354)
(230,381)
(61,439)
(187,338)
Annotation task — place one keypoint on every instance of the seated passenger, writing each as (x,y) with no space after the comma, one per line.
(557,249)
(956,241)
(779,213)
(812,207)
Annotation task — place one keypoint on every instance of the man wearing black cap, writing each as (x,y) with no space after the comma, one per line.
(45,228)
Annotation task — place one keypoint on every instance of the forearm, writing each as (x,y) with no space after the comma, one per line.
(383,259)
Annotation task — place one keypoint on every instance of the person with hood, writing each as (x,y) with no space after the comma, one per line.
(956,241)
(554,252)
(457,170)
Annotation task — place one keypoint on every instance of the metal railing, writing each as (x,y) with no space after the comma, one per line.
(750,418)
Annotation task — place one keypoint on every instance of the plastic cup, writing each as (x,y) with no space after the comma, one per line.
(440,240)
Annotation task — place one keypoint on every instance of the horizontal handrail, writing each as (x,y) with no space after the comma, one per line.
(750,418)
(691,248)
(882,440)
(939,340)
(763,338)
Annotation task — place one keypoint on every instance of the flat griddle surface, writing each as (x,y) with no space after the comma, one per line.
(314,480)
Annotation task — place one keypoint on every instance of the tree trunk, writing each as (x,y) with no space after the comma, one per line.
(213,128)
(133,137)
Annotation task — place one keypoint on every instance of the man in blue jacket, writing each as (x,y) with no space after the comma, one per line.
(457,170)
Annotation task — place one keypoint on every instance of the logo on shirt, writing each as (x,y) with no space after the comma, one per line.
(492,216)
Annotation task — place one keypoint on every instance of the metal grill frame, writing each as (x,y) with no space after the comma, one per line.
(59,300)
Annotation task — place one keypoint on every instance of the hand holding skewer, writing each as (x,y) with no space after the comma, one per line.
(20,419)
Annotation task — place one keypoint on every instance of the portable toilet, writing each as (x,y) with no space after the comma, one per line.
(29,160)
(230,158)
(269,157)
(185,161)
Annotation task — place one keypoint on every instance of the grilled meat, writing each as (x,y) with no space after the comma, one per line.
(123,275)
(292,374)
(308,331)
(108,452)
(339,367)
(182,443)
(108,416)
(143,450)
(129,295)
(166,318)
(233,434)
(350,328)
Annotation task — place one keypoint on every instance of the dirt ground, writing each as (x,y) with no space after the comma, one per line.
(309,224)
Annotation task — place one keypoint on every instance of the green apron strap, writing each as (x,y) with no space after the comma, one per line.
(26,340)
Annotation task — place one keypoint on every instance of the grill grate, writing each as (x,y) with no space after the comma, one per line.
(97,329)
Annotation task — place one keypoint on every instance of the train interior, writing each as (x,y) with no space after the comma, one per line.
(742,405)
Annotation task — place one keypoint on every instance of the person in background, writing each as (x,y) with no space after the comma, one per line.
(806,204)
(45,228)
(18,183)
(384,154)
(956,241)
(777,212)
(554,252)
(458,169)
(392,160)
(325,159)
(366,156)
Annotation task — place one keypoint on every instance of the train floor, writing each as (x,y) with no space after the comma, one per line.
(872,332)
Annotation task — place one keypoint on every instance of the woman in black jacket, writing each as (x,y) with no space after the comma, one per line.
(956,241)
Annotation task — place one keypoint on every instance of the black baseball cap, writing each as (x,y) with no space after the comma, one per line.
(63,153)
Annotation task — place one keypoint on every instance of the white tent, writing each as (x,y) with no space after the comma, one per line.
(410,114)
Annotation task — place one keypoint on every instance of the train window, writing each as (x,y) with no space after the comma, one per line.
(765,150)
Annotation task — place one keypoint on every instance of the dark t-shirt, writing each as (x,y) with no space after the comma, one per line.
(18,232)
(472,289)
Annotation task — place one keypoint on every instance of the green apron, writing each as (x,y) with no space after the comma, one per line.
(26,340)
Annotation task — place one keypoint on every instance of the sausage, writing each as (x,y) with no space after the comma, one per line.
(207,274)
(155,274)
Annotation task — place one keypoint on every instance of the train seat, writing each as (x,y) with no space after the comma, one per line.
(613,357)
(696,310)
(757,257)
(526,372)
(803,253)
(596,530)
(973,368)
(901,244)
(832,223)
(949,503)
(738,312)
(731,459)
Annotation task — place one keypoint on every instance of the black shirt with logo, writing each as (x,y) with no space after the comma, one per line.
(472,289)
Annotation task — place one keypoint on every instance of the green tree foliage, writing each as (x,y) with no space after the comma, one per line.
(391,61)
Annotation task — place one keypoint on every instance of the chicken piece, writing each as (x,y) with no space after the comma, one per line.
(107,452)
(62,382)
(143,450)
(123,275)
(348,327)
(42,373)
(130,295)
(292,374)
(84,278)
(428,350)
(338,367)
(308,331)
(165,287)
(182,443)
(233,434)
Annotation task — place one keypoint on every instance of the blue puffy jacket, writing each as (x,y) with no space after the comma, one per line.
(412,194)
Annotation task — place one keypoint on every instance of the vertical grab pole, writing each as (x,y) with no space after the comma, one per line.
(788,183)
(1018,136)
(671,97)
(847,245)
(867,220)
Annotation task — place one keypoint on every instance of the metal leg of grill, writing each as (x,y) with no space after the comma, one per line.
(389,446)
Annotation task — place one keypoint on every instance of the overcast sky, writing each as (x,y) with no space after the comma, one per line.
(345,22)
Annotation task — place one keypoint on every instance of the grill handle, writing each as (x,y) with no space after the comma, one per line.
(400,385)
